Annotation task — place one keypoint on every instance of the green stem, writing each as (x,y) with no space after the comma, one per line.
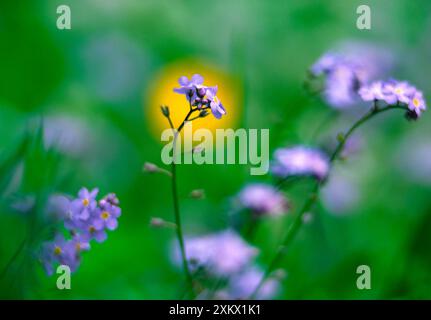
(13,258)
(312,199)
(179,229)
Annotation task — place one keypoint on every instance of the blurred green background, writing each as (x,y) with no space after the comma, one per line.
(88,86)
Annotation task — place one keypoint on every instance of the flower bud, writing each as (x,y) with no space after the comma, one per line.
(150,167)
(157,222)
(201,92)
(197,194)
(165,110)
(203,113)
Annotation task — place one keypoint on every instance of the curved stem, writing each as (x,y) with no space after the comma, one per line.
(312,199)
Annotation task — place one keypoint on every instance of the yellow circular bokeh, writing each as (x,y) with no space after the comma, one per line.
(161,93)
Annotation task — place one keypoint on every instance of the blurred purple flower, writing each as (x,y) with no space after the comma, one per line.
(300,160)
(263,199)
(220,254)
(60,252)
(347,68)
(243,285)
(372,92)
(341,194)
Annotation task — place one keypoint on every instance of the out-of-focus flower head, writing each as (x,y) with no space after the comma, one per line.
(395,92)
(347,68)
(341,194)
(300,160)
(220,254)
(201,96)
(244,284)
(263,199)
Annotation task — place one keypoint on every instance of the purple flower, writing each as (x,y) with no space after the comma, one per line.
(263,199)
(60,252)
(300,160)
(372,92)
(86,202)
(217,108)
(243,285)
(397,91)
(325,64)
(189,87)
(341,86)
(90,231)
(220,254)
(106,217)
(417,103)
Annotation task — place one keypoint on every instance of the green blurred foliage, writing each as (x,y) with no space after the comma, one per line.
(97,75)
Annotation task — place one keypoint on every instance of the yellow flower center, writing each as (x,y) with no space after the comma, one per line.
(92,229)
(105,215)
(416,102)
(398,91)
(85,202)
(57,250)
(78,246)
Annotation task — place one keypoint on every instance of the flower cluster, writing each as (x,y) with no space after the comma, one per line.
(300,161)
(201,96)
(262,199)
(86,219)
(395,92)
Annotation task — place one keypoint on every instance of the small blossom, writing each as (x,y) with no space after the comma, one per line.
(106,217)
(300,160)
(372,92)
(85,203)
(188,87)
(417,103)
(217,108)
(263,199)
(220,254)
(59,252)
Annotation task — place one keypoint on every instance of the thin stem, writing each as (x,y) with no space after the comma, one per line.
(179,229)
(13,258)
(314,195)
